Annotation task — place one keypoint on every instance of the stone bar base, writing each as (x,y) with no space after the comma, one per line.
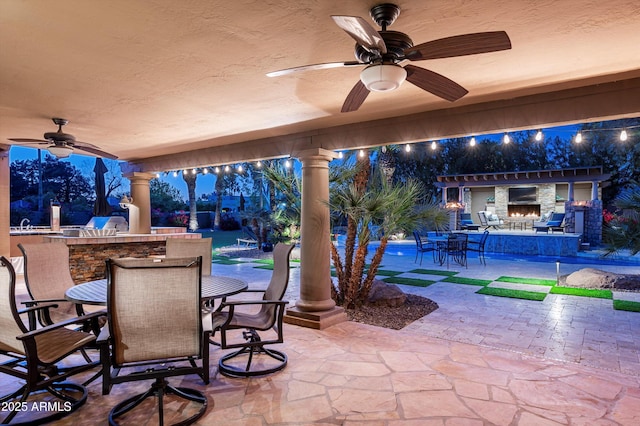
(316,320)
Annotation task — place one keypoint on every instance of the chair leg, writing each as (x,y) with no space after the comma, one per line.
(253,348)
(73,396)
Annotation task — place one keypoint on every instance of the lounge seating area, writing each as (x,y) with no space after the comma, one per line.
(554,224)
(249,238)
(490,220)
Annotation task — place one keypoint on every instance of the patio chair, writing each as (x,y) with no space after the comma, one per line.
(47,276)
(155,330)
(478,246)
(467,223)
(191,247)
(36,358)
(248,238)
(457,248)
(489,220)
(554,224)
(270,316)
(423,245)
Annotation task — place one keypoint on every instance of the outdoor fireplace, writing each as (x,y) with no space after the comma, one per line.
(516,210)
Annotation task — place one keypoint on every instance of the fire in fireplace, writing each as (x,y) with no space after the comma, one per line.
(519,210)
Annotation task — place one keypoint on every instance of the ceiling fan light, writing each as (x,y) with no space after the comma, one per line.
(382,78)
(60,151)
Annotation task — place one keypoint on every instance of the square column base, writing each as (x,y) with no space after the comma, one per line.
(316,320)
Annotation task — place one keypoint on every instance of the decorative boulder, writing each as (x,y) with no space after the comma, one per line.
(596,278)
(384,294)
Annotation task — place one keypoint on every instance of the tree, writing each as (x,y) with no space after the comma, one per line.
(164,196)
(370,199)
(190,179)
(623,231)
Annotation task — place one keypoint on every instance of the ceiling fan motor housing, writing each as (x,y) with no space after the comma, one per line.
(396,43)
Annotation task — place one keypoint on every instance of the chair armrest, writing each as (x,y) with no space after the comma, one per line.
(37,308)
(256,302)
(104,335)
(78,320)
(35,302)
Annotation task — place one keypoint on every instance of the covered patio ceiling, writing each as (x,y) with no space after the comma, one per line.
(167,84)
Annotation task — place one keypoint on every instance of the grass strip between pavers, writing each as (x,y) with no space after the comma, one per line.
(265,261)
(388,273)
(409,281)
(626,305)
(532,281)
(226,261)
(469,281)
(514,294)
(584,292)
(433,272)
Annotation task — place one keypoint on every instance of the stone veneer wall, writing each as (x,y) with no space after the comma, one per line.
(592,220)
(546,198)
(88,265)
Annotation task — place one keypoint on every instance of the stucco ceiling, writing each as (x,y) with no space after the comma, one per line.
(156,77)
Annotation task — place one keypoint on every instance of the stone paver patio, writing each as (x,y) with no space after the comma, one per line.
(477,360)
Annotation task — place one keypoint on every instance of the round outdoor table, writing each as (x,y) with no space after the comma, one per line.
(213,287)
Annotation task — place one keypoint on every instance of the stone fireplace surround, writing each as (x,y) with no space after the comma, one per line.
(546,201)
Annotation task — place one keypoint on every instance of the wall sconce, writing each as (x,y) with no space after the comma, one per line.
(125,202)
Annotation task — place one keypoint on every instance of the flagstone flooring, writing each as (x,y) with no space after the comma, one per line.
(477,360)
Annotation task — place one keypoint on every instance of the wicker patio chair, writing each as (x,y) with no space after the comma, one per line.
(270,316)
(191,247)
(155,330)
(35,357)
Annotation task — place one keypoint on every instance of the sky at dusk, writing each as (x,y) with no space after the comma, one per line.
(205,183)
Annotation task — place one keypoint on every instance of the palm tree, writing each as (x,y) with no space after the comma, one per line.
(370,200)
(190,179)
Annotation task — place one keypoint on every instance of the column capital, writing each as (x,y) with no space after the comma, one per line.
(315,154)
(139,176)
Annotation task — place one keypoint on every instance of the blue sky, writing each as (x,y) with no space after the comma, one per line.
(205,183)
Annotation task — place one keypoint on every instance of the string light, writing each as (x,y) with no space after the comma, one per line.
(175,174)
(217,170)
(434,145)
(194,171)
(205,170)
(259,164)
(157,175)
(578,137)
(287,163)
(340,155)
(227,169)
(623,135)
(472,142)
(538,135)
(361,153)
(239,168)
(407,148)
(506,139)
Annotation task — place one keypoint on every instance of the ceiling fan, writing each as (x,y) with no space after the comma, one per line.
(63,144)
(383,51)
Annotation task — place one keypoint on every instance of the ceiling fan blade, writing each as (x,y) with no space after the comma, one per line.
(355,98)
(95,151)
(435,83)
(461,45)
(363,33)
(314,67)
(79,144)
(20,140)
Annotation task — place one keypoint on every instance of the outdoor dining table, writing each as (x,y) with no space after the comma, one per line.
(213,287)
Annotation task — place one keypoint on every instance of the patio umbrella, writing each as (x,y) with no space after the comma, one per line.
(101,207)
(241,207)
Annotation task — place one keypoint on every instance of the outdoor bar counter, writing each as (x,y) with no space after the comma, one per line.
(87,255)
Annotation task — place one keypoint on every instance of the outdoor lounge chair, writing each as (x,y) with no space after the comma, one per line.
(270,316)
(467,223)
(155,322)
(35,357)
(489,220)
(248,238)
(554,224)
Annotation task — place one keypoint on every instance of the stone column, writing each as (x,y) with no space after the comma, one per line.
(5,245)
(594,190)
(315,308)
(140,210)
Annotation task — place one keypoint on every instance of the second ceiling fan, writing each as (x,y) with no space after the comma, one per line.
(382,51)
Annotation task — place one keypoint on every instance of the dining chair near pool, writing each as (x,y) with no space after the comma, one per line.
(478,246)
(423,245)
(156,329)
(191,247)
(227,319)
(39,359)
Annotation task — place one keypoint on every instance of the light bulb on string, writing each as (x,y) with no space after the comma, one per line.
(623,135)
(361,153)
(205,170)
(227,169)
(175,174)
(472,142)
(194,171)
(259,164)
(506,139)
(287,163)
(538,135)
(579,137)
(407,148)
(434,145)
(340,155)
(217,170)
(240,169)
(157,175)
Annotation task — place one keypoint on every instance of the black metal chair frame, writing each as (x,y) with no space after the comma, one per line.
(423,245)
(478,246)
(454,248)
(169,367)
(38,375)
